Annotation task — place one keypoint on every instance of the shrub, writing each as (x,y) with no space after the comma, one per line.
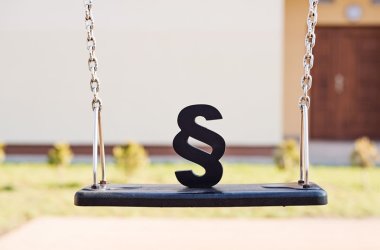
(286,155)
(130,156)
(2,153)
(60,155)
(364,154)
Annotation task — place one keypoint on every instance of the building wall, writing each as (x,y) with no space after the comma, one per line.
(330,14)
(155,58)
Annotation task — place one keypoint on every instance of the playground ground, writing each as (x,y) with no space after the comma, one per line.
(76,233)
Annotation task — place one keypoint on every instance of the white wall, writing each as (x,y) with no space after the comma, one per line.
(156,57)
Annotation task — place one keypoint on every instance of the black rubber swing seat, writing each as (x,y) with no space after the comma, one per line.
(173,195)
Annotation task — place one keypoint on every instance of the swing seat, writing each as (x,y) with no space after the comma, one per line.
(173,195)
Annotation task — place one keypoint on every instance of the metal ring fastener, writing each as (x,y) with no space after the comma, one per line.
(312,18)
(89,23)
(306,81)
(94,85)
(308,60)
(92,64)
(91,43)
(97,103)
(310,39)
(304,101)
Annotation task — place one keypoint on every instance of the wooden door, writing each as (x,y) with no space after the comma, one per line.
(346,84)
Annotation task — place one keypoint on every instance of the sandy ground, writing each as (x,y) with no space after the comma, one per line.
(159,234)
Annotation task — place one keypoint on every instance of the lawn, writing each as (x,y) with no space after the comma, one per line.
(28,191)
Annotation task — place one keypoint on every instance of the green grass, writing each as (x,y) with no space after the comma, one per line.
(31,190)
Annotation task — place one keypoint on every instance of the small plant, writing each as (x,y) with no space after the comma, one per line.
(130,156)
(2,153)
(7,188)
(286,155)
(60,155)
(364,154)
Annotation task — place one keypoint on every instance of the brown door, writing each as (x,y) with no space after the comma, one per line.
(346,84)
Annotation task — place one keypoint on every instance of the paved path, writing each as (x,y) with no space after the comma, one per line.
(167,234)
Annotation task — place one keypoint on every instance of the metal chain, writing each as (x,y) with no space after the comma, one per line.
(304,101)
(92,61)
(308,59)
(96,101)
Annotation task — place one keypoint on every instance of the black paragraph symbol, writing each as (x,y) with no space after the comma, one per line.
(210,162)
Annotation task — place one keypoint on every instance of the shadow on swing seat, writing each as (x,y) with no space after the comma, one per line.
(231,195)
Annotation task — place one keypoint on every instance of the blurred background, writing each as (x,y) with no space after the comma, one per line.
(156,57)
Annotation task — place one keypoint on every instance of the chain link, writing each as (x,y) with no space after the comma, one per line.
(92,61)
(308,59)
